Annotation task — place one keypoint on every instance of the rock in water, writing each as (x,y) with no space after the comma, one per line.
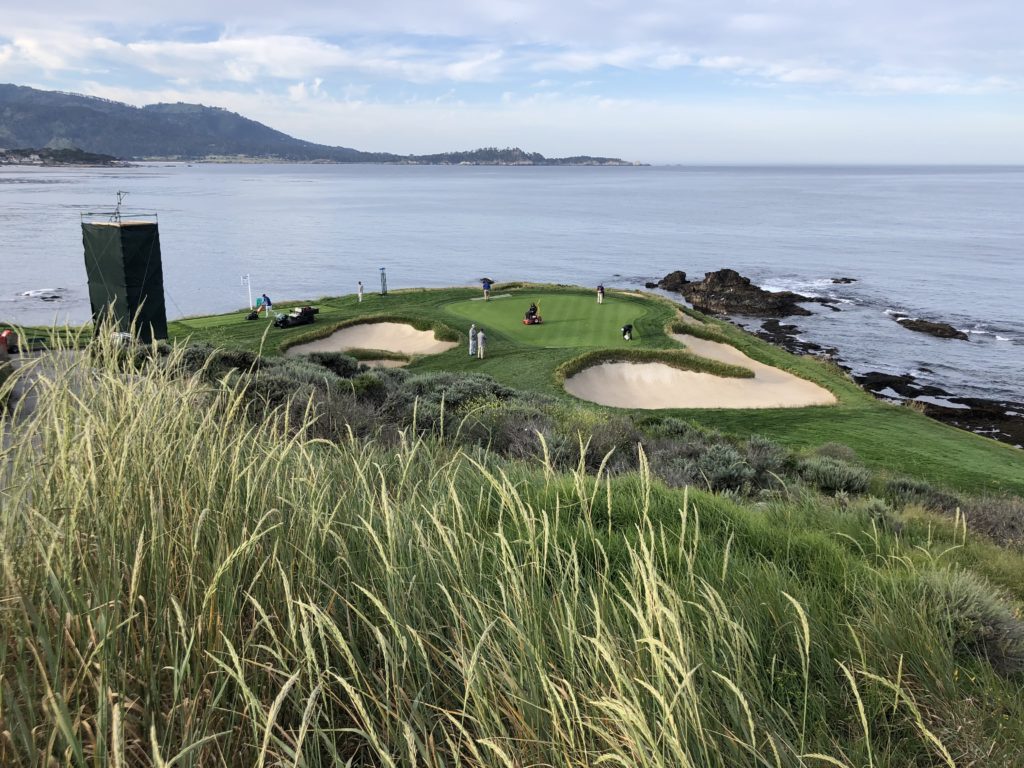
(844,280)
(673,281)
(727,292)
(939,330)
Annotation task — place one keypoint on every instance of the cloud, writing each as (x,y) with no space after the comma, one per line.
(506,67)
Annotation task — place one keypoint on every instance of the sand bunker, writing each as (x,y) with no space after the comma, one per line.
(392,337)
(656,385)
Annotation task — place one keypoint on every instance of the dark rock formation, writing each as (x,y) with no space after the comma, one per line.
(728,292)
(844,280)
(998,419)
(903,385)
(785,335)
(649,284)
(939,330)
(673,281)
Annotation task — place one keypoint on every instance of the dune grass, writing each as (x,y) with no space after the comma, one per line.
(181,585)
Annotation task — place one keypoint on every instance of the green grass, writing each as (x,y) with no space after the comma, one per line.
(182,585)
(886,437)
(570,320)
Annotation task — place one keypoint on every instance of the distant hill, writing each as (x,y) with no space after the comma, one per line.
(31,118)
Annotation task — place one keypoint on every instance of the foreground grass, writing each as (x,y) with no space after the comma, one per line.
(181,586)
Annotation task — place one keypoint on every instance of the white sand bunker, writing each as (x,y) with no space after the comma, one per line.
(392,337)
(656,385)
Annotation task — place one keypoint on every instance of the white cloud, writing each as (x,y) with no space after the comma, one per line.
(320,66)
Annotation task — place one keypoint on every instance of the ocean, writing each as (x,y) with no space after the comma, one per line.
(941,243)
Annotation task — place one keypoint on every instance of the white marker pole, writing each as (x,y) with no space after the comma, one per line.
(247,284)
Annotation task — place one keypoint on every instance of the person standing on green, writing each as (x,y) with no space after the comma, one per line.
(481,343)
(486,284)
(472,340)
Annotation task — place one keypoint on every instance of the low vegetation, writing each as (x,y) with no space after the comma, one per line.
(215,558)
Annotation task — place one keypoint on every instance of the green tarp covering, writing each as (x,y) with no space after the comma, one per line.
(122,261)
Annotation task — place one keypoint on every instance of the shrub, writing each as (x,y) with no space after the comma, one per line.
(1001,518)
(677,429)
(905,490)
(337,363)
(832,475)
(717,467)
(767,461)
(598,436)
(980,621)
(218,362)
(370,387)
(300,371)
(838,451)
(877,511)
(509,428)
(424,394)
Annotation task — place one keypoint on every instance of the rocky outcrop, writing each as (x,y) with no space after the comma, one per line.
(673,281)
(1000,420)
(939,330)
(844,280)
(787,336)
(727,292)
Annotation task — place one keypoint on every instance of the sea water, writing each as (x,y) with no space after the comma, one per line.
(941,243)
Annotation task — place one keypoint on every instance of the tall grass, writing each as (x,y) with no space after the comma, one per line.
(181,586)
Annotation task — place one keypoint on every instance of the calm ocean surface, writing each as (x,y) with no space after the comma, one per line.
(940,243)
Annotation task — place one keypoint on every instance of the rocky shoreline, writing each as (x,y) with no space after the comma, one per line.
(728,294)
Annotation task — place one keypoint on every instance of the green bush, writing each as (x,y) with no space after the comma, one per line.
(767,460)
(433,396)
(1001,518)
(905,490)
(832,475)
(980,621)
(875,510)
(337,363)
(716,467)
(837,451)
(509,428)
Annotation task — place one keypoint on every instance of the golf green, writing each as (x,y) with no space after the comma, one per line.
(569,320)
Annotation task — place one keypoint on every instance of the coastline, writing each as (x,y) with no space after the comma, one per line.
(1000,419)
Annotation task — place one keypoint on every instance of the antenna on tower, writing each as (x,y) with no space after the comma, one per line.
(116,215)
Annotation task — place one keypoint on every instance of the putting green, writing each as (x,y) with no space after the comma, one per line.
(569,320)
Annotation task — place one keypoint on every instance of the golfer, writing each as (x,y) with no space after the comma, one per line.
(627,332)
(481,344)
(486,284)
(359,292)
(600,294)
(266,304)
(472,340)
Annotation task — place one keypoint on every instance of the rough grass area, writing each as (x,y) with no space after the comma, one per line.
(684,361)
(183,584)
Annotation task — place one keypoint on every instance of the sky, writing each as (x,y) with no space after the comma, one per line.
(658,81)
